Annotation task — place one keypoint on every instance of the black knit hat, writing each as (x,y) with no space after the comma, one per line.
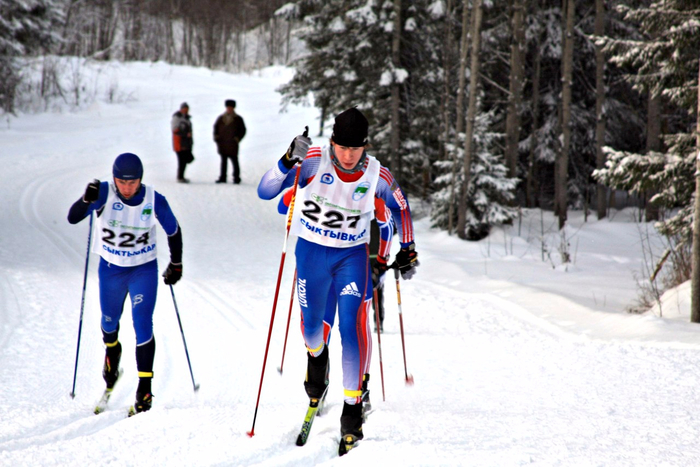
(230,103)
(184,106)
(350,128)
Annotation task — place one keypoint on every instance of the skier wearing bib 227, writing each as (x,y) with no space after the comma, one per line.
(382,229)
(125,238)
(332,212)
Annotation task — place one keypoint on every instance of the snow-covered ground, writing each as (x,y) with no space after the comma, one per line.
(516,360)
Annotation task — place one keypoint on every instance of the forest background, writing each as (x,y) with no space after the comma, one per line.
(481,108)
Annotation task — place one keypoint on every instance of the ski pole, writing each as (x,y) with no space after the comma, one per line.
(409,378)
(251,433)
(379,341)
(195,386)
(82,307)
(289,318)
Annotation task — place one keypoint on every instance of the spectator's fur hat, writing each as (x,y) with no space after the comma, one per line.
(230,103)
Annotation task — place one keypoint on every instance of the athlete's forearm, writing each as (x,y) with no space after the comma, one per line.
(400,210)
(275,180)
(78,211)
(175,245)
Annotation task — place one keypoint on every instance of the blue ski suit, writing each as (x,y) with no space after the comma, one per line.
(139,281)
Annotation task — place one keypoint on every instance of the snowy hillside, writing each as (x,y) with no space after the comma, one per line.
(517,360)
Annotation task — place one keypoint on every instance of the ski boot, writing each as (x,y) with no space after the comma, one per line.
(144,398)
(111,373)
(316,380)
(110,369)
(143,402)
(316,386)
(350,427)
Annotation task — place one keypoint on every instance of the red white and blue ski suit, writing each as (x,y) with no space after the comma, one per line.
(332,211)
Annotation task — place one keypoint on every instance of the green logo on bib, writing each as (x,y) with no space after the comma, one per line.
(360,191)
(147,211)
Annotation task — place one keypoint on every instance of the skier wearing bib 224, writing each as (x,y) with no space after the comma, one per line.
(125,238)
(332,212)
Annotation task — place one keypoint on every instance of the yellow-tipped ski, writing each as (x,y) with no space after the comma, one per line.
(308,421)
(104,400)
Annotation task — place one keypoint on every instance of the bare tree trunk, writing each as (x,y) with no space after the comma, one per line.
(65,45)
(462,78)
(273,42)
(288,38)
(531,181)
(599,30)
(516,85)
(322,120)
(695,277)
(446,101)
(108,29)
(651,212)
(186,42)
(446,82)
(562,166)
(169,41)
(653,142)
(471,117)
(395,97)
(131,18)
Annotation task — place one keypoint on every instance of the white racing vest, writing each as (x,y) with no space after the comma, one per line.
(331,212)
(126,235)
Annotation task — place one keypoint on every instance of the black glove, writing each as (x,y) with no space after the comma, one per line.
(379,267)
(407,260)
(92,192)
(297,150)
(173,273)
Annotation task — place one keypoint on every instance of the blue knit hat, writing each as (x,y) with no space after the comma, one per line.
(127,166)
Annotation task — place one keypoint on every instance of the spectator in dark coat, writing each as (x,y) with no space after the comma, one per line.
(229,130)
(182,140)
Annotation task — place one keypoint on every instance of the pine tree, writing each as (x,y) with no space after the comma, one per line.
(26,27)
(491,191)
(349,64)
(663,62)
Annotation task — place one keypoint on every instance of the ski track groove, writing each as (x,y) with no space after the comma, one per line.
(222,305)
